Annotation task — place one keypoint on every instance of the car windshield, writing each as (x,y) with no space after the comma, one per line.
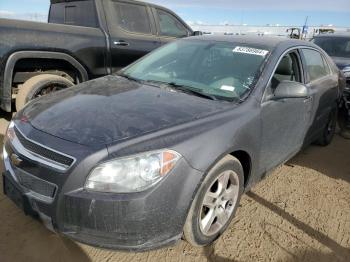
(218,70)
(334,46)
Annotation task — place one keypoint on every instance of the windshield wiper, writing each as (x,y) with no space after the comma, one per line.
(141,81)
(129,77)
(191,90)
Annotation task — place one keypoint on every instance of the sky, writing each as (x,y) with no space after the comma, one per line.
(219,12)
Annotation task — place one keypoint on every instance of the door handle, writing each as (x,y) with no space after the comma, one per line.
(308,99)
(121,43)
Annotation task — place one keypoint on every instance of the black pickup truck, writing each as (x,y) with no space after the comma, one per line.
(82,40)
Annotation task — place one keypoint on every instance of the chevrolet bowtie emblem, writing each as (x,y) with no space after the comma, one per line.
(15,160)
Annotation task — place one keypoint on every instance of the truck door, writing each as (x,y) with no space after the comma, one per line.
(132,32)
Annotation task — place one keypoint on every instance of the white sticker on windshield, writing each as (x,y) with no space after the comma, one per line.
(250,50)
(227,88)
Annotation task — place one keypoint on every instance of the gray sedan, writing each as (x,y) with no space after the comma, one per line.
(166,148)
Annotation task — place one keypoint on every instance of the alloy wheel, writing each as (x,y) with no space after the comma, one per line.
(218,203)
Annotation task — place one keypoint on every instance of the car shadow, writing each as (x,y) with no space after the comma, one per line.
(339,251)
(332,160)
(209,253)
(311,256)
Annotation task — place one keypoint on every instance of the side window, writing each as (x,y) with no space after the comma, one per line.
(287,69)
(69,15)
(315,64)
(81,13)
(170,25)
(328,69)
(133,18)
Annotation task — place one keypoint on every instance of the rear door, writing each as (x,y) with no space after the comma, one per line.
(132,32)
(169,26)
(323,85)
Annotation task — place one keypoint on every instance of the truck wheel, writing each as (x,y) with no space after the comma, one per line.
(215,203)
(38,86)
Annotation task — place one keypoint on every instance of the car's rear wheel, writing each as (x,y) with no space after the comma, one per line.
(215,203)
(38,86)
(343,119)
(329,130)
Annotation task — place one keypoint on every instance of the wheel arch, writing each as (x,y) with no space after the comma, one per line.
(242,156)
(14,58)
(246,162)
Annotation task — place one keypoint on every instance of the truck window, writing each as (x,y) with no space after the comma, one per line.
(80,13)
(133,17)
(170,25)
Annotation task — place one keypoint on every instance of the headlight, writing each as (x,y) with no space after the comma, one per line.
(9,135)
(346,71)
(10,132)
(132,174)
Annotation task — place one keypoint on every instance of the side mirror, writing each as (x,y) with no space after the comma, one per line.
(196,33)
(290,89)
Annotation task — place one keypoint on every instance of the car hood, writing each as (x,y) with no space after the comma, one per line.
(113,108)
(341,62)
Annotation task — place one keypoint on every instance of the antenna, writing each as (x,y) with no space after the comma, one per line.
(305,28)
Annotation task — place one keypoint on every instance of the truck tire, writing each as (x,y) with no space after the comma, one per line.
(38,86)
(215,203)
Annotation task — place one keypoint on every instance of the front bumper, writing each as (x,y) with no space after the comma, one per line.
(137,221)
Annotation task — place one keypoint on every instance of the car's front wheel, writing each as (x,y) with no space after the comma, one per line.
(215,203)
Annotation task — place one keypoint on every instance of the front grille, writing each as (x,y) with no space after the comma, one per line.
(35,184)
(42,151)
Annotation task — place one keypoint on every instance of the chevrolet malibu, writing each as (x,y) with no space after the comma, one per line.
(164,149)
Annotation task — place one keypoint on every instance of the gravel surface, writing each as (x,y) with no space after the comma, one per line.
(301,212)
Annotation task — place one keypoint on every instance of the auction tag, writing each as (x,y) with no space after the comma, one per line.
(227,88)
(250,50)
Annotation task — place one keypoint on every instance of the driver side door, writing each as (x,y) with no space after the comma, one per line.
(284,121)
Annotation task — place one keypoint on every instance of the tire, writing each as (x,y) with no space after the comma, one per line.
(196,231)
(343,119)
(329,130)
(35,87)
(345,134)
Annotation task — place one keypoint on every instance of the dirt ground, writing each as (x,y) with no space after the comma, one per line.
(299,213)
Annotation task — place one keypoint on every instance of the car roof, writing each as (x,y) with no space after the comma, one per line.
(333,35)
(270,42)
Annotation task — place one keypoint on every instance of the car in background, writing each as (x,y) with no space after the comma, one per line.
(166,148)
(338,47)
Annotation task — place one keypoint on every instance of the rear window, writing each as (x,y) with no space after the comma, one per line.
(133,17)
(315,64)
(80,13)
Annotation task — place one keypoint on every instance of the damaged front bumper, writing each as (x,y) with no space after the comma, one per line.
(134,222)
